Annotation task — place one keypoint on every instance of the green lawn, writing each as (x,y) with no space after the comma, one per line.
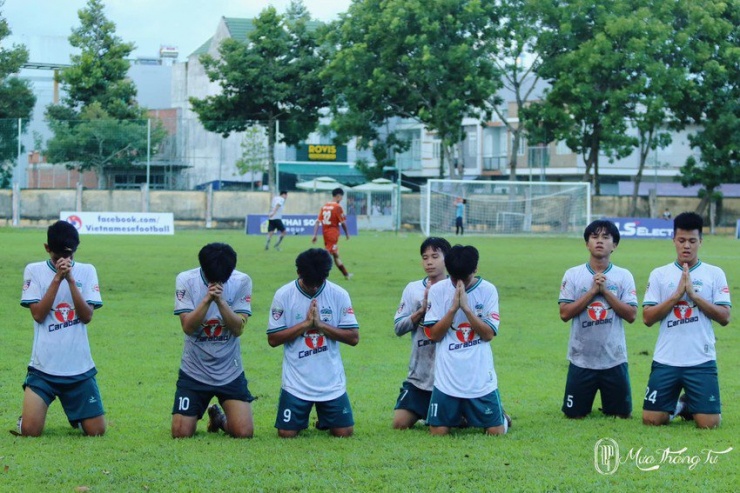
(136,344)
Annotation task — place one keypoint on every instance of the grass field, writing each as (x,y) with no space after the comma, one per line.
(137,342)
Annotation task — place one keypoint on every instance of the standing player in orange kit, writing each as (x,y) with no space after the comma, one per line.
(331,217)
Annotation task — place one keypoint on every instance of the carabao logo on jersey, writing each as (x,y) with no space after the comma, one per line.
(64,312)
(314,339)
(682,310)
(212,327)
(724,290)
(315,342)
(247,298)
(465,332)
(428,332)
(597,311)
(348,311)
(213,331)
(325,314)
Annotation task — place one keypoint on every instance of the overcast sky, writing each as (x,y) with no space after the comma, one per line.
(185,24)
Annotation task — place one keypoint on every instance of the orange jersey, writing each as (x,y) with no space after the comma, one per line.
(331,216)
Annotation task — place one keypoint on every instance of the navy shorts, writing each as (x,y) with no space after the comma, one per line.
(80,397)
(412,398)
(480,412)
(700,383)
(582,384)
(192,397)
(293,413)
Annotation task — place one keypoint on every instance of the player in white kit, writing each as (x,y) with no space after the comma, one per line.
(61,294)
(275,219)
(597,297)
(412,403)
(463,318)
(310,317)
(214,304)
(685,297)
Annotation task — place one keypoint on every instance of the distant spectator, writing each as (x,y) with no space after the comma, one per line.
(667,214)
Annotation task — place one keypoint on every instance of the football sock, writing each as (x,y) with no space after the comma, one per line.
(280,240)
(679,408)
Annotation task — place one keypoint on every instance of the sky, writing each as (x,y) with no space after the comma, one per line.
(185,24)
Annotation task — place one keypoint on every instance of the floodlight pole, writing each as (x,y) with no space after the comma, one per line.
(148,158)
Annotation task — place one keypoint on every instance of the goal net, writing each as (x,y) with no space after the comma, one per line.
(505,207)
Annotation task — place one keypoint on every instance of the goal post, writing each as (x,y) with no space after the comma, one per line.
(506,207)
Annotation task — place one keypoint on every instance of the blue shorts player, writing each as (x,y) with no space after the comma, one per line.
(310,317)
(685,297)
(214,304)
(61,295)
(463,318)
(413,399)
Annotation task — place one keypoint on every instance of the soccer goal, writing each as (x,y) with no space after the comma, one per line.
(506,207)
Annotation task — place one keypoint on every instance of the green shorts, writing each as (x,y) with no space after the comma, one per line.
(480,412)
(192,397)
(412,398)
(582,384)
(79,395)
(293,413)
(700,383)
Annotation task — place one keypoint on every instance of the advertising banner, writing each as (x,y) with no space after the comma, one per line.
(737,230)
(121,223)
(643,227)
(296,224)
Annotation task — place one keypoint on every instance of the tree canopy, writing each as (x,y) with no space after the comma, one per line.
(270,78)
(99,124)
(16,102)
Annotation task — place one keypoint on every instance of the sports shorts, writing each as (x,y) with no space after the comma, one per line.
(412,398)
(79,395)
(293,412)
(192,397)
(479,412)
(700,383)
(273,224)
(331,240)
(612,383)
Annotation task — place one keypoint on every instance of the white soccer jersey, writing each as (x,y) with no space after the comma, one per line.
(421,363)
(278,202)
(60,344)
(312,365)
(464,362)
(686,337)
(597,340)
(212,355)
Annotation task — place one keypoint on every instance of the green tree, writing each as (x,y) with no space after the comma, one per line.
(254,152)
(518,66)
(270,78)
(99,98)
(428,61)
(16,102)
(584,53)
(711,96)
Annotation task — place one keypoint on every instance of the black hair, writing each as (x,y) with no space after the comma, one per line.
(688,221)
(313,266)
(435,243)
(337,191)
(461,261)
(283,192)
(217,261)
(602,225)
(62,238)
